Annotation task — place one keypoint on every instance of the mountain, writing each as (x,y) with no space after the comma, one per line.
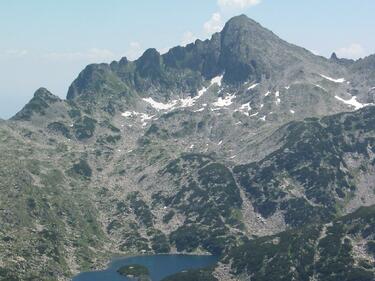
(339,250)
(242,145)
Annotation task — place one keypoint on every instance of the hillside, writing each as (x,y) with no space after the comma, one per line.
(243,145)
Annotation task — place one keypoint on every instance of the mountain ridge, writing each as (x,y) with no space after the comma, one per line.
(239,140)
(222,47)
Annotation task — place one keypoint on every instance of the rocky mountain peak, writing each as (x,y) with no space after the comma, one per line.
(43,93)
(243,24)
(242,43)
(88,80)
(149,64)
(334,56)
(245,56)
(242,51)
(37,105)
(214,147)
(343,61)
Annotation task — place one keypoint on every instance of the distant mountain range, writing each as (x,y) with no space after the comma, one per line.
(244,146)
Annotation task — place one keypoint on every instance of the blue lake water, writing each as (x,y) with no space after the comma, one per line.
(159,266)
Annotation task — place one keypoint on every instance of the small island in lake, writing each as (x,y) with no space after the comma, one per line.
(136,271)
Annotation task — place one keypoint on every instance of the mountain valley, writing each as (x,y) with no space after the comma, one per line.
(243,146)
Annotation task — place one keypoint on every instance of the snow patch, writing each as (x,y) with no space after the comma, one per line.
(324,89)
(266,94)
(292,111)
(221,102)
(183,102)
(190,101)
(143,116)
(254,114)
(245,108)
(277,95)
(217,80)
(339,80)
(353,102)
(261,106)
(199,110)
(287,87)
(263,118)
(159,105)
(253,86)
(127,114)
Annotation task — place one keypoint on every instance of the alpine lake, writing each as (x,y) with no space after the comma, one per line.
(148,267)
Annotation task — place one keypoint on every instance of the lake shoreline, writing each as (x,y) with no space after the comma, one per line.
(159,264)
(162,254)
(100,266)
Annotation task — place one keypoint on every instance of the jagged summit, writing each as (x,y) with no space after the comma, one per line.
(334,56)
(45,94)
(246,58)
(243,23)
(38,104)
(228,146)
(242,51)
(346,62)
(150,64)
(241,20)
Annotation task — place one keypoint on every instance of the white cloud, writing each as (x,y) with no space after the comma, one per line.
(353,51)
(214,24)
(237,4)
(13,53)
(134,51)
(187,37)
(315,52)
(16,52)
(163,50)
(227,8)
(95,55)
(92,55)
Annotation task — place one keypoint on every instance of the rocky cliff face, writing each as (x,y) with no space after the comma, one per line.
(224,146)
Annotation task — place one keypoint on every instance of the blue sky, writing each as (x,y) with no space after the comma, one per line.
(47,43)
